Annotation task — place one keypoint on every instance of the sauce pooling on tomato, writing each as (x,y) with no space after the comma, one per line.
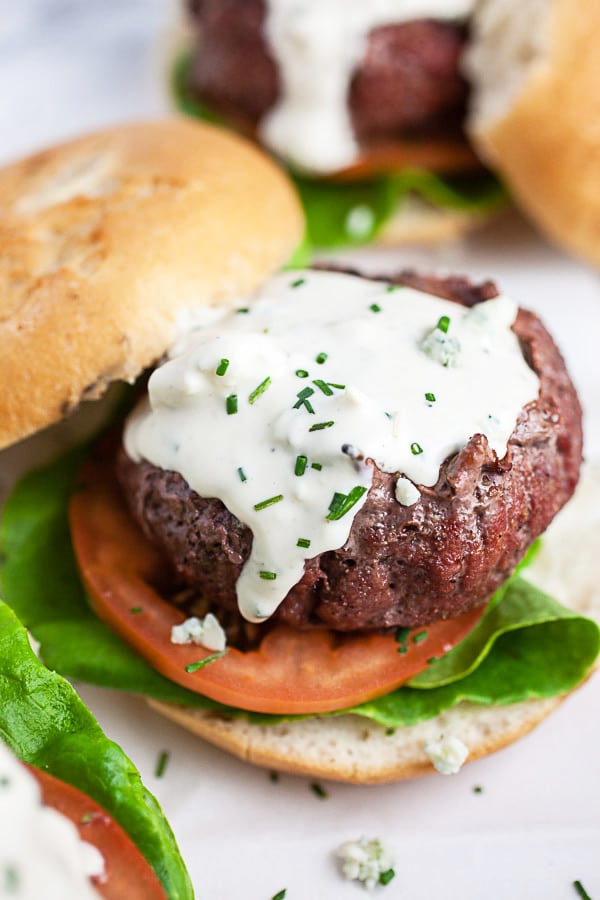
(317,47)
(41,853)
(279,407)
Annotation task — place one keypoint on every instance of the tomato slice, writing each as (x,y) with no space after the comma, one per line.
(289,672)
(127,874)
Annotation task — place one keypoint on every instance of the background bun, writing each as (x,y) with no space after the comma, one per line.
(106,240)
(536,111)
(353,749)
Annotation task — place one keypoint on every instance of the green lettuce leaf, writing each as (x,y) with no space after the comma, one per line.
(525,646)
(350,214)
(45,723)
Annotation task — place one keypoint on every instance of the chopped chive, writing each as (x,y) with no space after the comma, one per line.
(319,790)
(302,400)
(320,358)
(269,502)
(416,449)
(343,503)
(477,789)
(231,404)
(581,890)
(419,637)
(301,373)
(375,307)
(274,776)
(268,576)
(86,818)
(430,397)
(300,467)
(259,390)
(402,648)
(323,386)
(390,731)
(222,367)
(298,282)
(242,474)
(443,324)
(386,877)
(340,387)
(319,426)
(316,466)
(280,895)
(303,542)
(388,415)
(135,610)
(161,763)
(402,635)
(243,309)
(199,664)
(432,660)
(393,287)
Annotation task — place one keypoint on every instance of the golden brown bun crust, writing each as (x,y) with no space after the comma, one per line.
(547,145)
(353,749)
(106,239)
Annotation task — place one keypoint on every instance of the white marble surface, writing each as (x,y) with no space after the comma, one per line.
(71,65)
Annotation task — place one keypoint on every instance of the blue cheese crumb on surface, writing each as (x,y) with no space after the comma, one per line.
(369,862)
(447,755)
(206,632)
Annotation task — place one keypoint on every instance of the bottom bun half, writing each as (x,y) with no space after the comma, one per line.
(352,749)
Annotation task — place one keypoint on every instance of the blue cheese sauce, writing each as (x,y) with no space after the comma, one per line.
(279,408)
(318,45)
(41,853)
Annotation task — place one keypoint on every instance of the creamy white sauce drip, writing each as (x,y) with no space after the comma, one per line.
(41,853)
(378,382)
(317,45)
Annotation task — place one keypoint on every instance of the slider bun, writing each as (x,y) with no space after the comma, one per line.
(536,111)
(354,749)
(105,240)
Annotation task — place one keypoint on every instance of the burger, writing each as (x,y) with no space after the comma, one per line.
(387,112)
(314,524)
(73,803)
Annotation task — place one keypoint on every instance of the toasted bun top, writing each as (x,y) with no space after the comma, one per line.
(106,240)
(536,117)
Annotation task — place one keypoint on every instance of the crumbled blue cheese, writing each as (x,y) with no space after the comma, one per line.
(442,348)
(447,755)
(406,492)
(206,632)
(365,861)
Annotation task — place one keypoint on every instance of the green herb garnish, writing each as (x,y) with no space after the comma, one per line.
(419,637)
(320,358)
(430,397)
(319,790)
(280,895)
(477,789)
(161,763)
(300,467)
(269,502)
(416,449)
(242,474)
(581,890)
(319,426)
(443,324)
(298,282)
(86,818)
(393,287)
(386,877)
(303,542)
(301,373)
(302,400)
(135,610)
(316,466)
(243,309)
(375,307)
(222,367)
(200,663)
(324,387)
(343,503)
(268,576)
(253,397)
(231,404)
(274,776)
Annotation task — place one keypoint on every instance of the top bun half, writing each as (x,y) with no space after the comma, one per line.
(107,240)
(536,115)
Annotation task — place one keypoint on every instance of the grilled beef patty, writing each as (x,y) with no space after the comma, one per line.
(401,566)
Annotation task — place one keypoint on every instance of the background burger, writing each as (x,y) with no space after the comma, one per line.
(377,110)
(414,558)
(56,840)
